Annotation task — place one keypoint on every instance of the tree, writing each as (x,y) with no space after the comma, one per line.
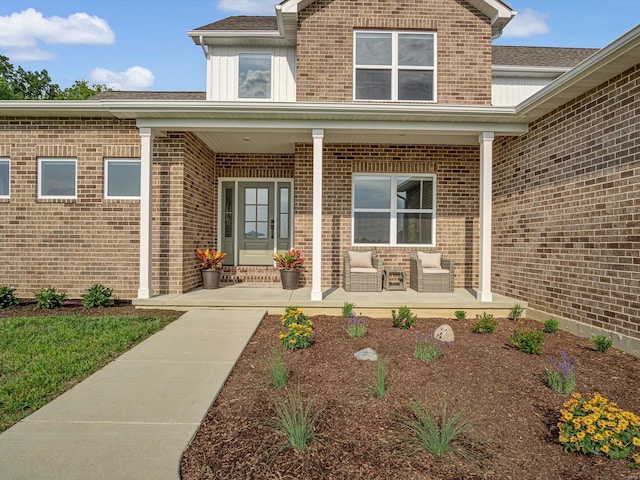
(80,90)
(21,84)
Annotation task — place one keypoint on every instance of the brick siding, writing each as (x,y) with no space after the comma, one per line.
(457,176)
(566,210)
(324,66)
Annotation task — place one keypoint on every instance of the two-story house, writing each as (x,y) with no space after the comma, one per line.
(340,125)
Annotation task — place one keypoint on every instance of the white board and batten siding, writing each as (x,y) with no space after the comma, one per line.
(222,73)
(510,91)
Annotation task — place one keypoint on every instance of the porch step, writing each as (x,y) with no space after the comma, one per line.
(263,276)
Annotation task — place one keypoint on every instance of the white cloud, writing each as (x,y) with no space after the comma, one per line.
(23,30)
(29,55)
(527,24)
(253,7)
(134,78)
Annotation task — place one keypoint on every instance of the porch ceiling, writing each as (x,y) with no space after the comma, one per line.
(261,141)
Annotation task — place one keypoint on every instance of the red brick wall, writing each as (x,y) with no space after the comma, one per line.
(324,67)
(567,203)
(457,177)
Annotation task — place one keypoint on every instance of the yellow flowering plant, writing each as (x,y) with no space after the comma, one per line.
(298,329)
(596,426)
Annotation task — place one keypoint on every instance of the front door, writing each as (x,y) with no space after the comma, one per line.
(256,220)
(256,224)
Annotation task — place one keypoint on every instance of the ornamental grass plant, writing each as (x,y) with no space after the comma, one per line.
(441,431)
(596,426)
(295,418)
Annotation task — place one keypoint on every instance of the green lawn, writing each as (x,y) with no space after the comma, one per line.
(42,357)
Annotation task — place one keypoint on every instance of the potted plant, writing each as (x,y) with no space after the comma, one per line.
(211,265)
(290,264)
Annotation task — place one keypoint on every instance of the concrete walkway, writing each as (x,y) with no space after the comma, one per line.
(134,418)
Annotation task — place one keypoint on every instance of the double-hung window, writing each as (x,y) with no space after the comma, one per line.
(57,178)
(254,76)
(394,209)
(122,178)
(397,66)
(5,177)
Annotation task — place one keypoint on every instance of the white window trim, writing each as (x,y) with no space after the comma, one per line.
(57,197)
(8,162)
(237,77)
(394,67)
(107,161)
(393,223)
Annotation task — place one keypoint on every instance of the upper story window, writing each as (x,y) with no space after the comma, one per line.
(394,209)
(5,177)
(395,66)
(57,178)
(121,178)
(254,76)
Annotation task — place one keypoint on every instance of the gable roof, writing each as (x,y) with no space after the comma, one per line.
(242,22)
(496,10)
(540,56)
(283,28)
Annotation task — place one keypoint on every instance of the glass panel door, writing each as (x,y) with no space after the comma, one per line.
(256,225)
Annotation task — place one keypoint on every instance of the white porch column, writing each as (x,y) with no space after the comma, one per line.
(316,277)
(146,138)
(486,191)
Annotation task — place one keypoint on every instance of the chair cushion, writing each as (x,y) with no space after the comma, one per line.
(361,260)
(363,270)
(430,259)
(434,270)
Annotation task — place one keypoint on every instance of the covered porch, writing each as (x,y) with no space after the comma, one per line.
(371,304)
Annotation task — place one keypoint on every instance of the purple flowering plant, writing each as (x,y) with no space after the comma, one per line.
(561,375)
(428,348)
(356,327)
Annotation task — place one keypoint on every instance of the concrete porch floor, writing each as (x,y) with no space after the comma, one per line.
(372,304)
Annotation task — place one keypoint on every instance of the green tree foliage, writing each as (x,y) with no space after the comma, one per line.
(21,84)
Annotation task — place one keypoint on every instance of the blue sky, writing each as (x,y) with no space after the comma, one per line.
(143,44)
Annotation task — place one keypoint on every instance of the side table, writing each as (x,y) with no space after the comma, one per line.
(398,282)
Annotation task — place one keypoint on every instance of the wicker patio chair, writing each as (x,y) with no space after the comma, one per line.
(362,272)
(429,272)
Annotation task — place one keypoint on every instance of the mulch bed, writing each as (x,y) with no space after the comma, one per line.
(75,307)
(503,389)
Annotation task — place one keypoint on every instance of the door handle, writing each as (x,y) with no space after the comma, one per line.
(272,227)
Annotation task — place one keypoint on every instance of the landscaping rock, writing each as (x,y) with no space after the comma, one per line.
(444,333)
(366,354)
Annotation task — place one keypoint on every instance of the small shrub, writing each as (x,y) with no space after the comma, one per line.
(596,426)
(550,325)
(7,298)
(97,296)
(378,382)
(427,348)
(404,318)
(347,310)
(49,298)
(516,312)
(298,329)
(602,343)
(484,323)
(440,432)
(295,418)
(528,340)
(561,375)
(277,368)
(356,327)
(460,314)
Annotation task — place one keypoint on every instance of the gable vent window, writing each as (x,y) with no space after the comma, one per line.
(398,66)
(254,76)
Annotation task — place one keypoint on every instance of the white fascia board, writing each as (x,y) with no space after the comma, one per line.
(499,13)
(620,55)
(334,125)
(200,36)
(294,6)
(39,108)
